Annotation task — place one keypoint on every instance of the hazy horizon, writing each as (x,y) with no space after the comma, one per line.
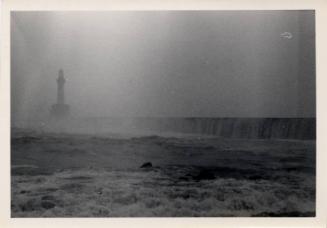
(165,63)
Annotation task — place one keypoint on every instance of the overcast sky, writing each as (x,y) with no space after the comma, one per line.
(165,63)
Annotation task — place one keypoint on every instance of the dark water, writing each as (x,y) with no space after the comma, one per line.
(246,128)
(81,175)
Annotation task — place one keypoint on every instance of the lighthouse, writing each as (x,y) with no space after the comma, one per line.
(60,110)
(60,87)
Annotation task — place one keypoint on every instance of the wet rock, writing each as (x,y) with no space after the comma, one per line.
(48,204)
(99,191)
(146,165)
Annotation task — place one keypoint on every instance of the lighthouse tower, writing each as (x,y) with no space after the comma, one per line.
(60,110)
(60,88)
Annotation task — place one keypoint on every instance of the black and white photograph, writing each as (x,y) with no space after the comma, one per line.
(163,113)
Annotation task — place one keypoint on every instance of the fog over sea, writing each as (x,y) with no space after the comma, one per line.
(163,114)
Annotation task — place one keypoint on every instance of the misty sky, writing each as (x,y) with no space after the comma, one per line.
(165,63)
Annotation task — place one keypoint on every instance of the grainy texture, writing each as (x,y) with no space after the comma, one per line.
(71,175)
